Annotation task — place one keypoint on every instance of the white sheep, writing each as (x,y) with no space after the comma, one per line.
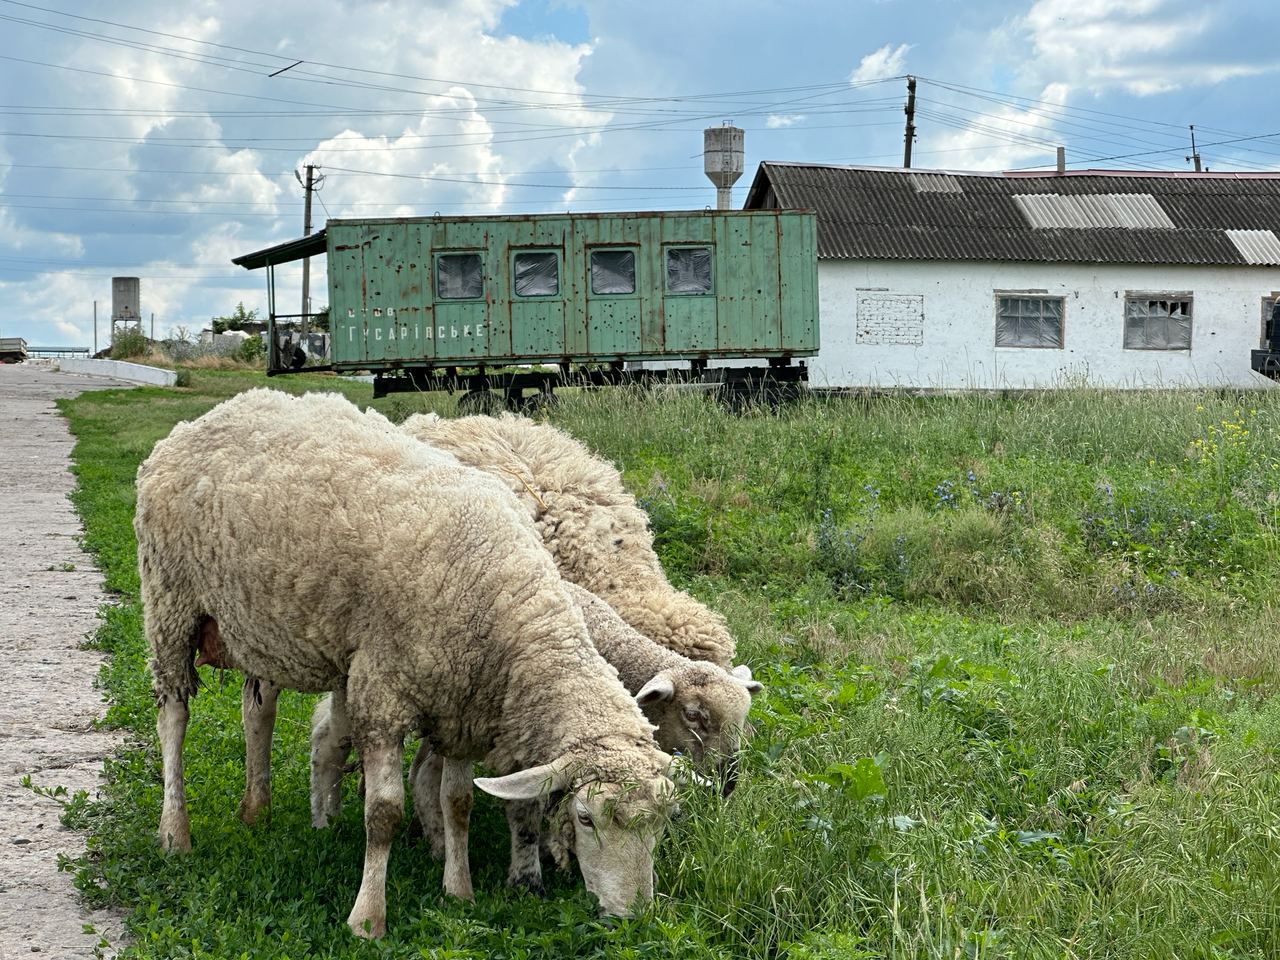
(423,598)
(699,709)
(590,523)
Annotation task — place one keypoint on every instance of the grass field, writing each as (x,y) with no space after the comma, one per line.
(1021,663)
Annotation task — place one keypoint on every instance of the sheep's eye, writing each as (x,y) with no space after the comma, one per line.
(584,818)
(692,714)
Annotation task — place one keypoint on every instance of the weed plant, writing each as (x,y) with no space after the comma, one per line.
(1021,699)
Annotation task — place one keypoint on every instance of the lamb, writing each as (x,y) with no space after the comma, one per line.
(425,602)
(591,525)
(699,710)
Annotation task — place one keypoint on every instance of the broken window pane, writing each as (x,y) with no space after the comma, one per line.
(1157,324)
(1029,322)
(537,274)
(613,271)
(459,276)
(1271,323)
(688,270)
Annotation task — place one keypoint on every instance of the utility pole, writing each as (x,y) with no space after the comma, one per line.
(310,185)
(95,328)
(1195,154)
(910,111)
(153,327)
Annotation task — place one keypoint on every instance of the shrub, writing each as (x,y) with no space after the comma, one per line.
(128,343)
(251,351)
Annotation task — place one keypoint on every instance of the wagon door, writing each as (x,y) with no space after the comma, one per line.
(613,300)
(537,301)
(346,304)
(688,285)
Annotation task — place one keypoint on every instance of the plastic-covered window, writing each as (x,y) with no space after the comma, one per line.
(459,276)
(688,270)
(1029,322)
(613,271)
(537,274)
(1157,324)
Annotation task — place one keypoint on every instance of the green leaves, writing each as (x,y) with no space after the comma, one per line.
(859,781)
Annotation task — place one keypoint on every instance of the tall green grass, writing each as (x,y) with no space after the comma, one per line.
(1021,694)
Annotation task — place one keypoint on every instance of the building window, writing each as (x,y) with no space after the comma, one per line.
(459,276)
(1028,321)
(1154,321)
(688,270)
(613,272)
(1271,320)
(537,273)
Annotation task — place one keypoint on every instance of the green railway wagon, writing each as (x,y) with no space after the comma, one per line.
(507,303)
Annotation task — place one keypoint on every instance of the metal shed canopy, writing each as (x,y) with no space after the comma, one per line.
(286,252)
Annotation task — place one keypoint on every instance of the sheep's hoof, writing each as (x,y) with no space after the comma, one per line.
(367,928)
(175,839)
(529,882)
(251,811)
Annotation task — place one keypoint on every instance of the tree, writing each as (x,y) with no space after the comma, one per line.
(320,320)
(238,318)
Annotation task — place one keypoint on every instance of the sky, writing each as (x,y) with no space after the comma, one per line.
(151,139)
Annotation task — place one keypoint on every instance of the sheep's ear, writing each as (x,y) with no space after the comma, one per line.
(526,784)
(742,673)
(659,688)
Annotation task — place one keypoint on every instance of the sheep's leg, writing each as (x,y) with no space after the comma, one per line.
(330,744)
(258,711)
(383,809)
(424,775)
(524,817)
(171,726)
(455,803)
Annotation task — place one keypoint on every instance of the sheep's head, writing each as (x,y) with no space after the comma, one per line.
(616,824)
(700,711)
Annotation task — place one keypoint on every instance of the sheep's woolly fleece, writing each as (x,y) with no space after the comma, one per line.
(589,522)
(425,591)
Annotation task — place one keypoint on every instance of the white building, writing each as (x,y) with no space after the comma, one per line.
(1010,280)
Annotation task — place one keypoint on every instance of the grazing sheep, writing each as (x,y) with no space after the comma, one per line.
(424,600)
(699,710)
(589,522)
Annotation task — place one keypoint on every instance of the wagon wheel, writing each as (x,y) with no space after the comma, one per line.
(540,402)
(480,401)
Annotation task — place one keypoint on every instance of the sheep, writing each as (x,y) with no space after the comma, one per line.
(424,601)
(699,710)
(589,522)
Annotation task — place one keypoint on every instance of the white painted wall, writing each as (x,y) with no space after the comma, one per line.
(119,370)
(957,341)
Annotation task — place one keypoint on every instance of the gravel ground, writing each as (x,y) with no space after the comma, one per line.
(49,595)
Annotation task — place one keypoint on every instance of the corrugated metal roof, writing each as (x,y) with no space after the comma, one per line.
(1104,210)
(1113,217)
(309,246)
(1257,246)
(936,183)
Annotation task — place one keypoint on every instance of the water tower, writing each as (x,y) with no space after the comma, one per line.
(126,306)
(722,160)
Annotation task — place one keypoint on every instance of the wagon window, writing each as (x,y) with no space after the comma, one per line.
(613,271)
(537,274)
(459,276)
(1029,321)
(1157,322)
(688,270)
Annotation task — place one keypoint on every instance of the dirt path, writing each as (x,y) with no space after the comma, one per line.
(49,594)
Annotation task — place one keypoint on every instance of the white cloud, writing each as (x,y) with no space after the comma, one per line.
(888,61)
(777,120)
(232,168)
(1002,138)
(1144,47)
